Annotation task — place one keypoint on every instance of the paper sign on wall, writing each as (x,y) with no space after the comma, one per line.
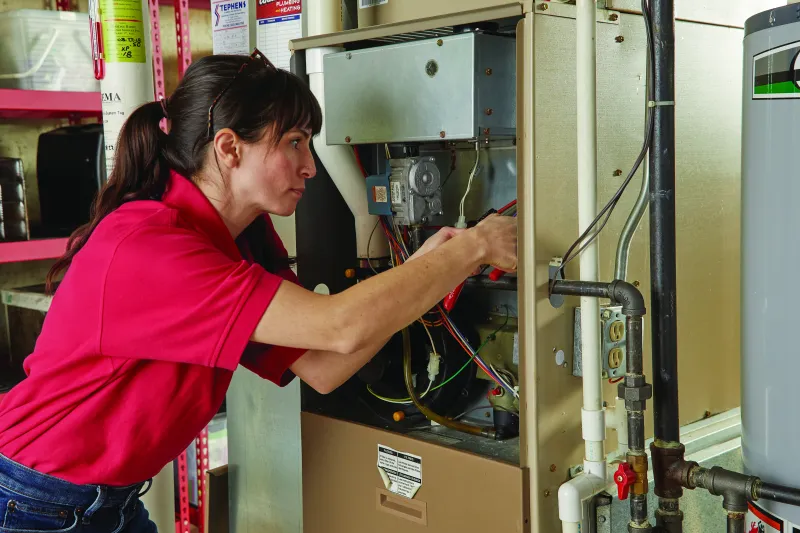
(230,27)
(401,472)
(279,21)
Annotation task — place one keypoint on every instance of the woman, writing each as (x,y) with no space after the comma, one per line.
(177,279)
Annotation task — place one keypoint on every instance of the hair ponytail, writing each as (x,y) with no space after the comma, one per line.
(253,102)
(139,173)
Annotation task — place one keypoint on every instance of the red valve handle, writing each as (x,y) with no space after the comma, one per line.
(624,477)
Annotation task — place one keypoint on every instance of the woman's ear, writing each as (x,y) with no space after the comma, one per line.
(228,148)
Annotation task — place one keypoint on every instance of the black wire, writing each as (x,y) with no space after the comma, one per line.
(612,203)
(369,241)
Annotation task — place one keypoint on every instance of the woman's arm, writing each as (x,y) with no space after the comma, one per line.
(324,371)
(362,317)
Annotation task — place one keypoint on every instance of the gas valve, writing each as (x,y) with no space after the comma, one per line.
(624,477)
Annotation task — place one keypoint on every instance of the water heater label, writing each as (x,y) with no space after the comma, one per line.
(760,521)
(776,73)
(401,472)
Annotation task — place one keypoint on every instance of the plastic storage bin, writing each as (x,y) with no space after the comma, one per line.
(46,50)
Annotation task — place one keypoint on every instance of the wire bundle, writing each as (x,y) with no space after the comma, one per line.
(400,254)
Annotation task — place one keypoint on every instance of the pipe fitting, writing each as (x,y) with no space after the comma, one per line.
(639,465)
(667,460)
(574,492)
(629,297)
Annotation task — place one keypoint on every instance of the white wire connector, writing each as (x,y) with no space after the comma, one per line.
(462,219)
(433,366)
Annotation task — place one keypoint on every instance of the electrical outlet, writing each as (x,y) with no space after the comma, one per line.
(616,332)
(613,336)
(615,358)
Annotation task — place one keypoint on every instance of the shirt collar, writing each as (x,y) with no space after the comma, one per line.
(196,209)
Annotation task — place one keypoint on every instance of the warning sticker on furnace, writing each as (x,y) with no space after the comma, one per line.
(401,472)
(760,521)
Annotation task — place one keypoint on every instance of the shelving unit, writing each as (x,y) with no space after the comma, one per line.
(18,251)
(25,104)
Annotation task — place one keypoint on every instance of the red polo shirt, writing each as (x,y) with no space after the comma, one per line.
(140,343)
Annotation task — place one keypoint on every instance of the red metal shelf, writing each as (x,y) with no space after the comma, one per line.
(15,252)
(191,4)
(17,103)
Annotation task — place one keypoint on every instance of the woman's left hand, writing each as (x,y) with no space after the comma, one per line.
(436,240)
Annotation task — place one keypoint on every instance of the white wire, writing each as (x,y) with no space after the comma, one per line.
(500,377)
(430,337)
(469,183)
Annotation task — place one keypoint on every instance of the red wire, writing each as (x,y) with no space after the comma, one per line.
(360,164)
(614,381)
(508,205)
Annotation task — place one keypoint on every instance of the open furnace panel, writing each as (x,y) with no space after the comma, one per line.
(432,120)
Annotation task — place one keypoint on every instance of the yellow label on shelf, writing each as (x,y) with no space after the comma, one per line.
(123,31)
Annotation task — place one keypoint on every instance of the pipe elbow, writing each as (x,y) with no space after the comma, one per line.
(629,297)
(573,493)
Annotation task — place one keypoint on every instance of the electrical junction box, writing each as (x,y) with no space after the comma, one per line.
(457,87)
(613,336)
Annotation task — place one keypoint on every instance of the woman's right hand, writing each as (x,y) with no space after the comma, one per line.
(498,237)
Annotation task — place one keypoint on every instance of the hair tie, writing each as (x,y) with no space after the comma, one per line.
(163,103)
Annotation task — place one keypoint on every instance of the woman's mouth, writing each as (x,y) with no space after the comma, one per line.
(298,192)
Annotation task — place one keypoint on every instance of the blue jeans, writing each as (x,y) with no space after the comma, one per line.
(31,502)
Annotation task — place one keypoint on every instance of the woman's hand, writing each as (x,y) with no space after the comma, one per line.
(436,240)
(497,236)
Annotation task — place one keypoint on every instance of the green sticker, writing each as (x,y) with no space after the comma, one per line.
(123,31)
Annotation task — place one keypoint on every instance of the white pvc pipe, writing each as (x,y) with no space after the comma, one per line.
(587,211)
(340,162)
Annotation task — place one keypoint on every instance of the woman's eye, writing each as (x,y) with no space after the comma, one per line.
(295,143)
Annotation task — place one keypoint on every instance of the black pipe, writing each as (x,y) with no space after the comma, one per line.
(638,512)
(778,493)
(662,248)
(735,522)
(634,389)
(662,226)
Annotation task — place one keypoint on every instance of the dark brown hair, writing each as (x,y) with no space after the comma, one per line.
(261,100)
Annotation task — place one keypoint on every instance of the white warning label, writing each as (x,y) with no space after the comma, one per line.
(760,521)
(401,472)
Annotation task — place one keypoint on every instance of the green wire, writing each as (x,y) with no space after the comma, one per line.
(460,370)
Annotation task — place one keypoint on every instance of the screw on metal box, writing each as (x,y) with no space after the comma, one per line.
(442,134)
(349,55)
(618,172)
(488,72)
(440,42)
(489,111)
(347,139)
(613,17)
(620,38)
(543,7)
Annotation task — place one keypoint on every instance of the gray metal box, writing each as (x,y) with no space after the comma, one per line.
(452,88)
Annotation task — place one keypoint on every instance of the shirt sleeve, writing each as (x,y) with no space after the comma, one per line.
(170,295)
(273,362)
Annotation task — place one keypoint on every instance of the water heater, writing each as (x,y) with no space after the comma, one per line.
(771,256)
